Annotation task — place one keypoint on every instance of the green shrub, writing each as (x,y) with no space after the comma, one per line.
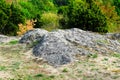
(44,5)
(117,6)
(65,70)
(28,9)
(63,20)
(86,16)
(38,22)
(4,15)
(61,2)
(49,18)
(11,16)
(112,17)
(92,55)
(2,68)
(50,21)
(13,42)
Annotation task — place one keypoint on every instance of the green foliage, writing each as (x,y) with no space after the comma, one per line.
(86,16)
(13,42)
(50,21)
(92,55)
(4,13)
(44,5)
(39,75)
(117,5)
(11,16)
(38,22)
(2,68)
(48,18)
(63,11)
(39,7)
(15,65)
(43,77)
(116,55)
(83,14)
(28,10)
(65,70)
(61,2)
(111,15)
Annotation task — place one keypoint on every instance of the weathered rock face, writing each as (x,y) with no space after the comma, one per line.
(94,42)
(32,36)
(61,46)
(5,39)
(55,49)
(113,36)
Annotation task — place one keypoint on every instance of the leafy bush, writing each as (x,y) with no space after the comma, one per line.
(28,9)
(50,21)
(61,2)
(111,15)
(117,6)
(38,23)
(13,42)
(4,15)
(44,5)
(11,16)
(24,28)
(86,16)
(63,20)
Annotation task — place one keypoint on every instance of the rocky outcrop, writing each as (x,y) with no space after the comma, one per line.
(115,36)
(55,49)
(6,39)
(61,46)
(3,38)
(32,36)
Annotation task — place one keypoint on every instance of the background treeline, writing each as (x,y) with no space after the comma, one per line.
(92,15)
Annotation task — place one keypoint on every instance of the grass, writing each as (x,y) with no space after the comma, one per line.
(17,63)
(39,75)
(115,77)
(105,59)
(92,55)
(102,41)
(13,42)
(2,68)
(65,70)
(116,55)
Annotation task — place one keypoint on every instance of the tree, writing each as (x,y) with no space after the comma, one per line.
(38,22)
(14,19)
(86,16)
(61,2)
(29,11)
(4,13)
(11,16)
(117,5)
(43,5)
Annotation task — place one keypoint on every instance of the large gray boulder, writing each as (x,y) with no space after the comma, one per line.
(32,36)
(94,42)
(61,46)
(55,49)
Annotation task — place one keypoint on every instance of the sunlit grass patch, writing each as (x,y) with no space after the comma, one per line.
(92,55)
(65,70)
(13,42)
(3,68)
(117,55)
